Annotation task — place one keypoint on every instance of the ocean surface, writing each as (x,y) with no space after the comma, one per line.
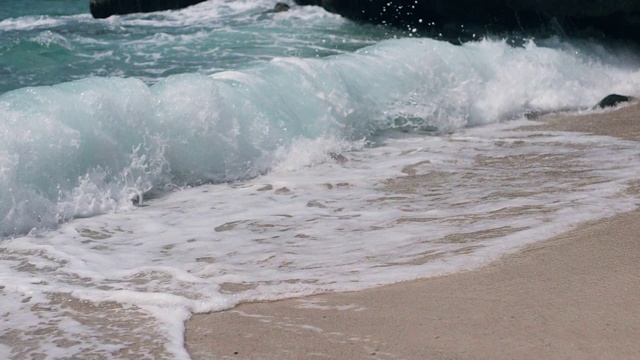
(156,165)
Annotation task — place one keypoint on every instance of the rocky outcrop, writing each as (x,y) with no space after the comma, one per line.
(101,9)
(577,8)
(464,18)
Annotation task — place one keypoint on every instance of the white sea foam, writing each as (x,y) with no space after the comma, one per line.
(89,147)
(206,14)
(48,38)
(317,191)
(29,22)
(322,220)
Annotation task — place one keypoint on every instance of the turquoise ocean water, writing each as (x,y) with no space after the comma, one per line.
(156,165)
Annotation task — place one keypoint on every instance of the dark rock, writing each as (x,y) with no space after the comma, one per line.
(465,18)
(280,7)
(101,9)
(613,100)
(577,8)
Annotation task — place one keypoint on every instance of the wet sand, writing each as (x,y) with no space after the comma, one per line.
(576,296)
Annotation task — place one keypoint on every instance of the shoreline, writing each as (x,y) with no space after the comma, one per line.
(573,296)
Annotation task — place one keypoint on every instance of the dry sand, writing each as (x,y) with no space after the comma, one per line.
(576,296)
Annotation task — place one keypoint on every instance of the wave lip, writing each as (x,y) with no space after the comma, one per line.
(92,146)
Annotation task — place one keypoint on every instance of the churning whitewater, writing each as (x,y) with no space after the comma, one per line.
(93,146)
(156,165)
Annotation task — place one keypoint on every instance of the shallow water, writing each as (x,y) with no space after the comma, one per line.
(410,208)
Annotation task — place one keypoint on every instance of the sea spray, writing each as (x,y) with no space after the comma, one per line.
(192,129)
(410,207)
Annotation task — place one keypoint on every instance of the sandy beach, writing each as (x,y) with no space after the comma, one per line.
(576,296)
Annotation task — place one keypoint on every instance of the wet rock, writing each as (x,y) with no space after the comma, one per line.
(101,9)
(613,100)
(280,7)
(462,20)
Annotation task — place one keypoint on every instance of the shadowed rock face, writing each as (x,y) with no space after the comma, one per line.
(462,18)
(577,8)
(101,9)
(613,100)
